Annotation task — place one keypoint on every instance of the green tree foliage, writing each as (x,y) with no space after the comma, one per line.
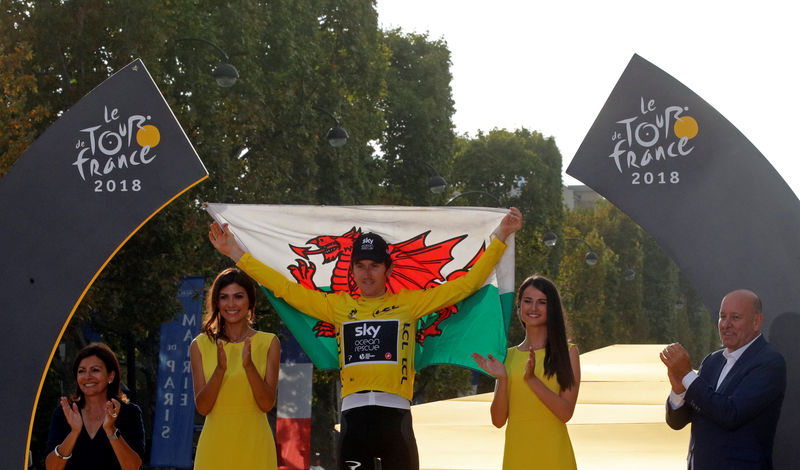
(702,334)
(19,117)
(655,305)
(297,57)
(660,275)
(522,169)
(624,238)
(418,142)
(584,288)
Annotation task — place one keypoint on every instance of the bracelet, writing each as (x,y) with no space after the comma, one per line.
(62,457)
(114,435)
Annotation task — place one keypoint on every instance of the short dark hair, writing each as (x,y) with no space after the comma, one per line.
(109,359)
(213,322)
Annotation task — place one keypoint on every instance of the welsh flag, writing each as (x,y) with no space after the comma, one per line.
(428,245)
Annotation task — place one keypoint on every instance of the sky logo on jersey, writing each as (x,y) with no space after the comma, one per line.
(367,330)
(371,341)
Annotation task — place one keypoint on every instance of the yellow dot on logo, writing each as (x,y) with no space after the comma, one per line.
(148,135)
(685,126)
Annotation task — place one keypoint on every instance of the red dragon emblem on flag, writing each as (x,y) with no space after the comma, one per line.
(415,265)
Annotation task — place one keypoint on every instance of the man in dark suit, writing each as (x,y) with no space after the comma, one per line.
(734,400)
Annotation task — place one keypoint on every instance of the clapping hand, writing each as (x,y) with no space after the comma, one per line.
(72,413)
(530,366)
(222,359)
(112,411)
(678,363)
(247,356)
(491,365)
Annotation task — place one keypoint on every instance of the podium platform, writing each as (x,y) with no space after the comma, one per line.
(618,421)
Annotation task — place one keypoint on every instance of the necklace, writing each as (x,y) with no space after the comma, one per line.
(240,338)
(92,418)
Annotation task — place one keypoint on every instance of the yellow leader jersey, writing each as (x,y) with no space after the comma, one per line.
(375,336)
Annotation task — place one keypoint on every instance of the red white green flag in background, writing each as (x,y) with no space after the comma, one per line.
(428,245)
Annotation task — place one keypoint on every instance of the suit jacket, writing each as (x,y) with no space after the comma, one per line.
(733,427)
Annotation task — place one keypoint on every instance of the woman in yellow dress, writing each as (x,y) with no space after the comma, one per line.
(537,387)
(235,376)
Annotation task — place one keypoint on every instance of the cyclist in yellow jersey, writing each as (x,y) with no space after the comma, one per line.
(375,336)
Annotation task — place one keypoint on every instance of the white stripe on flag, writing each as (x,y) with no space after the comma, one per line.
(267,230)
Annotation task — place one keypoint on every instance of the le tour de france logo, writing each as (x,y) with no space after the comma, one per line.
(114,144)
(644,144)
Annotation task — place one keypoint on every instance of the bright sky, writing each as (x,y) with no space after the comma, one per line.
(549,66)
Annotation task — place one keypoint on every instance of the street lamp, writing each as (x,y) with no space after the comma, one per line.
(458,195)
(336,136)
(590,258)
(225,74)
(436,183)
(550,239)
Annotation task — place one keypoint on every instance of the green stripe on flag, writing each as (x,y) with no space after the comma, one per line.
(507,301)
(321,350)
(480,325)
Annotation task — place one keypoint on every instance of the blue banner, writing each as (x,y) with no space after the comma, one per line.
(173,426)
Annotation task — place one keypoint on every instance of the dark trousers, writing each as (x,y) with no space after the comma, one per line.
(369,433)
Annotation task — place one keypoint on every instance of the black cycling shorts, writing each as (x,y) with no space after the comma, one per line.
(373,432)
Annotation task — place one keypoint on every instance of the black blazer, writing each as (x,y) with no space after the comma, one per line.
(733,427)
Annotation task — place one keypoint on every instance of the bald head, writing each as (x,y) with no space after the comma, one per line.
(745,295)
(740,318)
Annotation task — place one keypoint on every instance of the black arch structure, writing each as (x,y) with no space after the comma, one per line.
(61,227)
(713,202)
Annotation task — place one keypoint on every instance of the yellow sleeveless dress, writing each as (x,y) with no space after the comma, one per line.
(236,433)
(535,437)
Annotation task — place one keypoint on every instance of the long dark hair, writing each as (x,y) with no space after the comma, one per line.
(556,358)
(213,322)
(105,354)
